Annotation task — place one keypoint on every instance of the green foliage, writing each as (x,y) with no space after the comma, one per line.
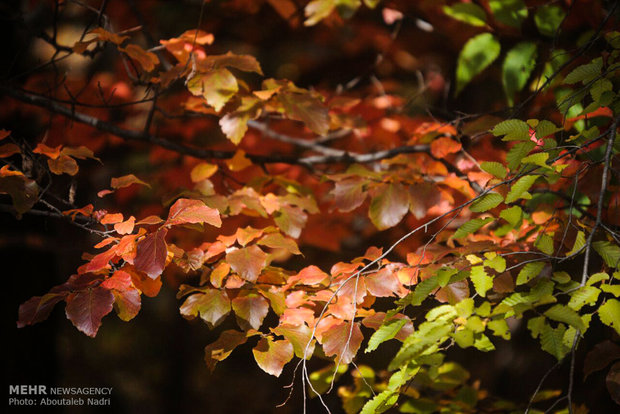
(478,53)
(469,13)
(517,68)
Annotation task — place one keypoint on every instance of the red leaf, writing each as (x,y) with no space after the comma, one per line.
(37,309)
(250,310)
(120,281)
(271,356)
(422,196)
(383,283)
(341,339)
(188,211)
(86,308)
(247,262)
(388,206)
(221,349)
(127,303)
(151,254)
(9,149)
(213,306)
(443,146)
(348,194)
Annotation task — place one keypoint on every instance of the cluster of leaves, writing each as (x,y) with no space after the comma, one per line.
(506,229)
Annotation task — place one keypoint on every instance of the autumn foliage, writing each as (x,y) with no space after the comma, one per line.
(432,201)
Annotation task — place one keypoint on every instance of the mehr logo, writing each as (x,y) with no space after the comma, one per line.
(27,390)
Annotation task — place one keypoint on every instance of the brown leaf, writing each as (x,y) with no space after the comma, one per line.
(603,354)
(388,205)
(86,308)
(247,262)
(278,241)
(126,181)
(271,356)
(454,292)
(613,382)
(307,109)
(23,191)
(151,254)
(9,149)
(383,283)
(221,349)
(188,211)
(127,303)
(148,60)
(341,339)
(250,310)
(422,196)
(349,194)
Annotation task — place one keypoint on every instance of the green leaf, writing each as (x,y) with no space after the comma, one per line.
(585,73)
(482,282)
(509,12)
(563,313)
(497,263)
(512,215)
(585,295)
(483,343)
(548,19)
(518,152)
(486,202)
(536,326)
(494,168)
(519,188)
(609,252)
(469,13)
(478,53)
(499,328)
(513,129)
(471,226)
(386,331)
(551,341)
(544,243)
(609,314)
(597,277)
(539,159)
(599,87)
(380,402)
(423,290)
(517,68)
(464,338)
(580,241)
(545,128)
(529,271)
(613,289)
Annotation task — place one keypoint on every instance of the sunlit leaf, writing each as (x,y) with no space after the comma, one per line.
(271,356)
(86,308)
(478,53)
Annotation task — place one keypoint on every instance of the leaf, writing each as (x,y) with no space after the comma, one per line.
(189,211)
(342,339)
(388,206)
(512,215)
(148,60)
(212,305)
(271,356)
(518,65)
(551,341)
(250,310)
(222,347)
(471,227)
(444,146)
(24,192)
(87,307)
(529,271)
(548,19)
(216,87)
(512,130)
(349,194)
(423,290)
(544,243)
(151,254)
(609,314)
(467,13)
(486,202)
(203,171)
(539,159)
(612,381)
(246,63)
(310,275)
(126,181)
(307,109)
(519,188)
(291,220)
(599,357)
(37,309)
(478,53)
(545,128)
(9,149)
(422,196)
(386,331)
(278,241)
(125,227)
(562,313)
(609,252)
(380,402)
(248,262)
(317,10)
(239,161)
(494,168)
(299,336)
(127,303)
(481,280)
(518,152)
(585,73)
(509,12)
(383,283)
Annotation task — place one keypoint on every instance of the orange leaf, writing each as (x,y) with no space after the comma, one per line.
(187,211)
(213,306)
(271,356)
(310,275)
(9,149)
(239,161)
(49,152)
(112,218)
(148,60)
(125,227)
(247,262)
(203,171)
(126,181)
(63,164)
(443,146)
(250,310)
